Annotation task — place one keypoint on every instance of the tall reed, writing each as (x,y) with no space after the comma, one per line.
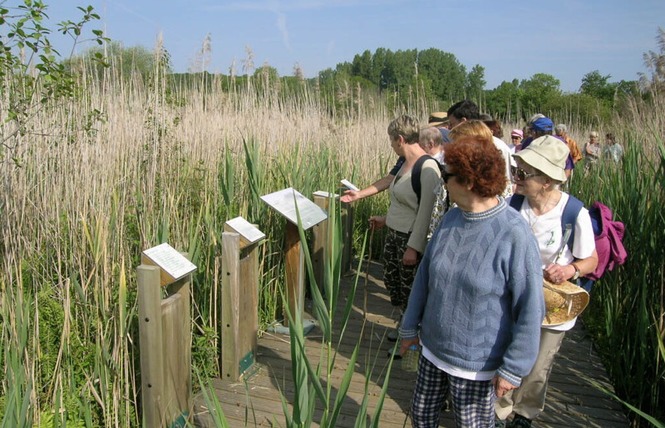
(628,312)
(124,166)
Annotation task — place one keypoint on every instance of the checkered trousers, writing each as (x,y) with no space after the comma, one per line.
(472,400)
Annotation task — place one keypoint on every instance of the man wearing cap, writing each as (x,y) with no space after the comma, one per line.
(564,257)
(541,126)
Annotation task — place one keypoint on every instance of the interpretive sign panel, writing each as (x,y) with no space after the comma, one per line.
(173,264)
(285,202)
(250,233)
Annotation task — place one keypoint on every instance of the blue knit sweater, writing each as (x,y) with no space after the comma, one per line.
(477,300)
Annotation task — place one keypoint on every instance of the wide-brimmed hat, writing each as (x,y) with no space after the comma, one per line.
(548,155)
(563,302)
(438,118)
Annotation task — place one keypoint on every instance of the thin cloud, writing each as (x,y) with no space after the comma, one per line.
(136,14)
(283,29)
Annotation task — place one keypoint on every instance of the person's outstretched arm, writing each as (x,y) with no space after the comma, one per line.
(377,187)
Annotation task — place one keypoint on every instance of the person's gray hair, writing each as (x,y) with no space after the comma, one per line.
(430,134)
(535,117)
(560,129)
(407,127)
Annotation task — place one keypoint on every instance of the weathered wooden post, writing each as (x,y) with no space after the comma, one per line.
(292,204)
(321,246)
(240,301)
(347,236)
(165,336)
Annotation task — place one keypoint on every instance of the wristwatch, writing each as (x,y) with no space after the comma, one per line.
(577,273)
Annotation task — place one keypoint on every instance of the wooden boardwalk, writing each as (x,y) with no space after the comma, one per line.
(573,401)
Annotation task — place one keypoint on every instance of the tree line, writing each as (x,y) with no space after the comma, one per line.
(429,79)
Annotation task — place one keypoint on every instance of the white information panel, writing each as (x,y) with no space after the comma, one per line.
(325,194)
(284,202)
(170,260)
(246,229)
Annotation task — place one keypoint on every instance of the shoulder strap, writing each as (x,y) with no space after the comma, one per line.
(415,175)
(516,201)
(569,218)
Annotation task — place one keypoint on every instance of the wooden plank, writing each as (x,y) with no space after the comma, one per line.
(320,244)
(295,267)
(572,401)
(150,342)
(248,317)
(239,306)
(229,363)
(347,236)
(177,370)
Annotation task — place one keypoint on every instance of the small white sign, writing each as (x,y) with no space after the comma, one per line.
(349,185)
(324,194)
(247,230)
(285,202)
(170,260)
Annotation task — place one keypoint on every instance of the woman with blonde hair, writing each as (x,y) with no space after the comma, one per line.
(408,215)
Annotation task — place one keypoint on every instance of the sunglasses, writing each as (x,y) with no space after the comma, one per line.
(445,175)
(521,175)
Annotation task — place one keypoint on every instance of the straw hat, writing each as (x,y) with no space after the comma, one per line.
(438,118)
(563,302)
(548,155)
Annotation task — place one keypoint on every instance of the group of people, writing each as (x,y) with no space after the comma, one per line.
(593,151)
(465,261)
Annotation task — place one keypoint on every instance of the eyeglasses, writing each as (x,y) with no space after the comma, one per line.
(520,174)
(445,175)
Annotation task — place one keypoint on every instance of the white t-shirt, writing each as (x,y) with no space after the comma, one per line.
(456,371)
(508,160)
(547,229)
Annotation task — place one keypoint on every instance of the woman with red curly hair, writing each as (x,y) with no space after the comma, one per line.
(477,303)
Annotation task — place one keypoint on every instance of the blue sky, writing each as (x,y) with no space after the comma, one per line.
(511,39)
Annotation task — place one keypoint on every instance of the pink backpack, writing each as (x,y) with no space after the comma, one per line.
(609,235)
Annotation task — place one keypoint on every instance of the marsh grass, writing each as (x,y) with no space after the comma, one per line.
(124,166)
(627,315)
(130,163)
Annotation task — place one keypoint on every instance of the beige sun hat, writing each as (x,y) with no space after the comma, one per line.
(438,118)
(563,302)
(548,155)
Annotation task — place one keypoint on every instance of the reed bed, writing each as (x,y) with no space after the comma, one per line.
(627,316)
(130,163)
(125,166)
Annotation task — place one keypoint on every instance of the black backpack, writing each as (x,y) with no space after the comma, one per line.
(415,174)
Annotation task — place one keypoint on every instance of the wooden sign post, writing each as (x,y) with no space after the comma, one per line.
(321,245)
(165,336)
(240,301)
(291,204)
